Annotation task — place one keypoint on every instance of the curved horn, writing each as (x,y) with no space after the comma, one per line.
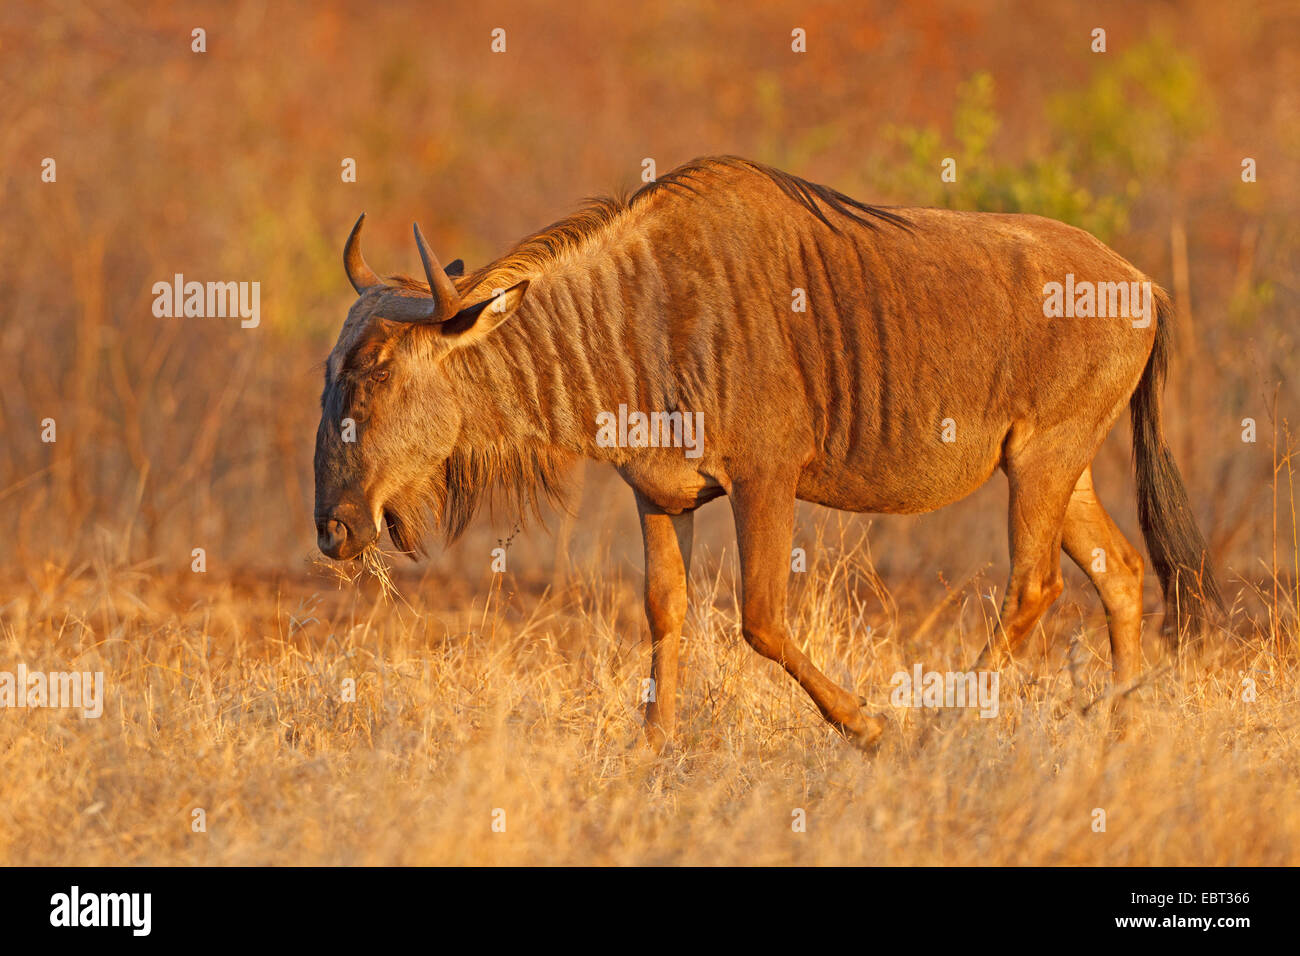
(398,306)
(360,275)
(446,300)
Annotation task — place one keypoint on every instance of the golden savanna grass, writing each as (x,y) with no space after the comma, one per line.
(227,695)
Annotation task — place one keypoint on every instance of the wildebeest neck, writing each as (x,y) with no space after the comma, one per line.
(582,343)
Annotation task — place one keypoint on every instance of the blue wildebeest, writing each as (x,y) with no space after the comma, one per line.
(926,358)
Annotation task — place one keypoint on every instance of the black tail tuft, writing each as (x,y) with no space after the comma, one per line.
(1178,551)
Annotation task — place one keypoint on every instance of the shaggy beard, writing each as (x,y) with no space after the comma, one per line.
(518,481)
(409,516)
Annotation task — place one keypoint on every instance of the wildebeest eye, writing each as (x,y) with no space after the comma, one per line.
(379,375)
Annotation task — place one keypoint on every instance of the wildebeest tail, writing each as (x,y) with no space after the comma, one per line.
(1177,548)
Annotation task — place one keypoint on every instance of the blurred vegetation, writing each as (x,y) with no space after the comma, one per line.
(1103,141)
(226,165)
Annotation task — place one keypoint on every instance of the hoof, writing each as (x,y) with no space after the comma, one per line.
(865,732)
(657,741)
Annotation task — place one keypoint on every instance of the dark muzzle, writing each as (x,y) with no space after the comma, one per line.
(344,531)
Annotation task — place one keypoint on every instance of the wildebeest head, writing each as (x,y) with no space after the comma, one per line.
(390,417)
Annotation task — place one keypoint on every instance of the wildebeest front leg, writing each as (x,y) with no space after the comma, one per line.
(764,513)
(667,569)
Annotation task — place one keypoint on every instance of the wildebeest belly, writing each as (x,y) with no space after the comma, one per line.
(907,476)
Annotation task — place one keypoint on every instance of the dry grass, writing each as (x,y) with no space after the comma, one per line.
(226,696)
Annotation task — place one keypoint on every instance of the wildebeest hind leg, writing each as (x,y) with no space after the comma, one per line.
(1040,486)
(764,513)
(1115,568)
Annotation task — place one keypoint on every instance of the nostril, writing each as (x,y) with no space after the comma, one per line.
(332,534)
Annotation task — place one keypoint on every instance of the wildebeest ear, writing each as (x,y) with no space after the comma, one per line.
(455,268)
(477,320)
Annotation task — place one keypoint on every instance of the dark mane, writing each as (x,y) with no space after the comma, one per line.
(543,246)
(809,195)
